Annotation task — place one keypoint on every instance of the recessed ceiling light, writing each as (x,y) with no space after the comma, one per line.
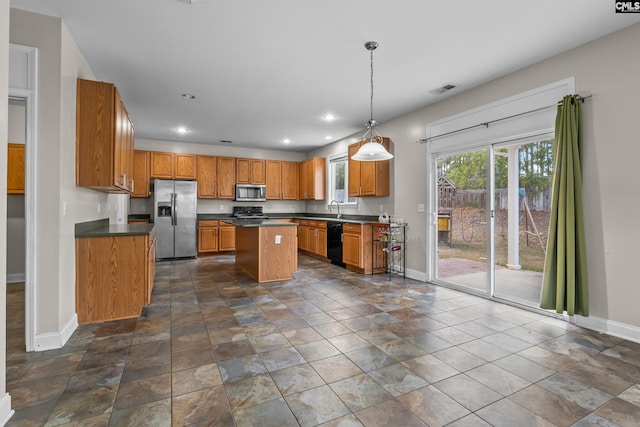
(328,137)
(328,117)
(182,130)
(286,141)
(188,96)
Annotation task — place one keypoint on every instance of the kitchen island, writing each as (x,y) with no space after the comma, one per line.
(267,250)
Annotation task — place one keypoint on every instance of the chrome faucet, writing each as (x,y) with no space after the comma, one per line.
(337,204)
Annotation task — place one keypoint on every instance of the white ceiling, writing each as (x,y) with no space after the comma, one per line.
(263,71)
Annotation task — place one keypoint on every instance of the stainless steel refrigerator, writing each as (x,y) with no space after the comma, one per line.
(174,214)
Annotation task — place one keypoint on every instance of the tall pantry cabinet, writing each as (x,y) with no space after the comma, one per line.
(104,139)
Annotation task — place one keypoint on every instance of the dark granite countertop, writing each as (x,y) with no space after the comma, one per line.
(263,223)
(101,228)
(356,219)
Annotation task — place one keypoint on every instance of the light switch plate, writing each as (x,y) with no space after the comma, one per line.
(420,207)
(278,239)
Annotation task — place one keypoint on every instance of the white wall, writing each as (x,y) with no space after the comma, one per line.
(607,68)
(59,63)
(5,399)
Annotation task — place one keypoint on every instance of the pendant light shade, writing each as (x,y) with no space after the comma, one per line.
(372,150)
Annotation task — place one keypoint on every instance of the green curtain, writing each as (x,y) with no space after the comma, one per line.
(564,286)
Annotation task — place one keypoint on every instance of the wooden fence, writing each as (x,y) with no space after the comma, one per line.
(478,199)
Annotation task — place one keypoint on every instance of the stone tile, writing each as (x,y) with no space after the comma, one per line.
(485,350)
(401,350)
(549,359)
(371,358)
(620,412)
(317,350)
(302,336)
(203,405)
(279,359)
(251,391)
(574,391)
(524,368)
(345,421)
(297,378)
(143,368)
(154,414)
(190,359)
(549,406)
(316,406)
(360,392)
(471,420)
(397,379)
(73,407)
(506,413)
(333,329)
(241,367)
(349,342)
(28,393)
(632,395)
(88,379)
(452,335)
(268,342)
(459,359)
(231,350)
(194,379)
(428,342)
(468,392)
(51,367)
(389,413)
(498,379)
(430,368)
(336,368)
(593,420)
(433,407)
(143,391)
(274,413)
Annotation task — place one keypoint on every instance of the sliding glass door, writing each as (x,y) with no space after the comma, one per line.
(492,207)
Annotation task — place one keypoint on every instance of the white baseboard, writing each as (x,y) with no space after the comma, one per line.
(416,275)
(611,327)
(5,409)
(13,278)
(53,340)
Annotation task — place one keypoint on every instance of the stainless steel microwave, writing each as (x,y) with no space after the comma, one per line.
(251,193)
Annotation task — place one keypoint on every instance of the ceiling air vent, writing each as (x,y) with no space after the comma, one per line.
(226,141)
(443,89)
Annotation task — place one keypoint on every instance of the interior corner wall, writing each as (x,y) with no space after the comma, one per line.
(59,203)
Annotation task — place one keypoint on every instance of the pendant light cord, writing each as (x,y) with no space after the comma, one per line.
(371,100)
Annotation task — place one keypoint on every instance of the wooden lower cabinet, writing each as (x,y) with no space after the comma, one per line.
(312,237)
(114,276)
(356,247)
(215,236)
(15,168)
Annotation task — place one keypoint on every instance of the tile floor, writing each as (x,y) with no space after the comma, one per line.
(328,348)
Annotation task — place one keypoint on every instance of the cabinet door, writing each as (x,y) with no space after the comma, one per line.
(120,144)
(303,237)
(316,178)
(243,171)
(151,268)
(15,169)
(206,176)
(289,181)
(321,248)
(274,174)
(226,178)
(207,239)
(227,240)
(304,180)
(374,176)
(351,249)
(354,171)
(140,174)
(162,165)
(258,173)
(185,166)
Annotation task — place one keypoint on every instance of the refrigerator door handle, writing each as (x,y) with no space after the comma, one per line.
(173,208)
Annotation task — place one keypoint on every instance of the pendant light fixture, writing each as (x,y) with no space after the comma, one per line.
(372,150)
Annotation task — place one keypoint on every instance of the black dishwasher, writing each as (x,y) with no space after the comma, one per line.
(334,242)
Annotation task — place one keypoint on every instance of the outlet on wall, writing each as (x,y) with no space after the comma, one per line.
(221,207)
(99,207)
(381,208)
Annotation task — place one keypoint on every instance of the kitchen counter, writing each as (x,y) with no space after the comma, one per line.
(263,223)
(354,219)
(101,228)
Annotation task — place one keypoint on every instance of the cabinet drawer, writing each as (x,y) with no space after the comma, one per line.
(351,228)
(208,223)
(313,223)
(304,222)
(322,224)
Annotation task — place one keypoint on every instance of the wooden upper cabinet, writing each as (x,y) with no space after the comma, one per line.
(226,177)
(367,179)
(274,178)
(140,174)
(289,180)
(206,175)
(162,165)
(173,165)
(104,138)
(313,173)
(185,166)
(250,171)
(15,168)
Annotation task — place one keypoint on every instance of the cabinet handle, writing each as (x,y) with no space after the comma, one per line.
(132,186)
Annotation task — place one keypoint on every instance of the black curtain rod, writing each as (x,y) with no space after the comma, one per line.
(486,124)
